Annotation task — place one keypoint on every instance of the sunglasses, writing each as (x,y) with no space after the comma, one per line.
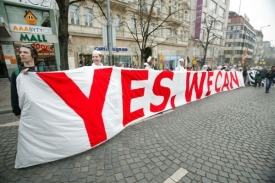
(27,46)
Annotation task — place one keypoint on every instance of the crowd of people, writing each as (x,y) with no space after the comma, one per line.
(29,59)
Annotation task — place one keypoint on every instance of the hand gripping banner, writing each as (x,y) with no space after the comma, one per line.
(68,112)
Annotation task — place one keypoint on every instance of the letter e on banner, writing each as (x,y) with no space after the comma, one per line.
(209,82)
(127,76)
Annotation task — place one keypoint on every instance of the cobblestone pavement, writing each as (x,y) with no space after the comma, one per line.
(5,104)
(227,137)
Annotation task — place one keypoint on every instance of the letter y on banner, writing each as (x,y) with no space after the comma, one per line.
(89,109)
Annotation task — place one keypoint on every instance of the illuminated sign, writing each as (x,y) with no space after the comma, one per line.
(30,29)
(33,38)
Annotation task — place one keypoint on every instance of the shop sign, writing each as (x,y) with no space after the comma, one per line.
(36,3)
(30,29)
(33,38)
(43,48)
(116,49)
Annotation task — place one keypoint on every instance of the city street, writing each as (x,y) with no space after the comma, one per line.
(227,137)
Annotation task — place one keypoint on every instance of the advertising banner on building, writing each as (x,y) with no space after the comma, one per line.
(69,112)
(198,19)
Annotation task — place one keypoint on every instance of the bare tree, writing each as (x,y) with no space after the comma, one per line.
(147,22)
(209,35)
(63,33)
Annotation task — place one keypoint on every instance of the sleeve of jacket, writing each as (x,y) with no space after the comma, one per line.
(14,96)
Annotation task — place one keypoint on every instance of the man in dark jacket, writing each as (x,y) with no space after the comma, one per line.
(264,71)
(29,58)
(270,75)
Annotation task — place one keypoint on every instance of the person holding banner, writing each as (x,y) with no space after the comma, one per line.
(150,63)
(96,58)
(181,64)
(270,75)
(29,58)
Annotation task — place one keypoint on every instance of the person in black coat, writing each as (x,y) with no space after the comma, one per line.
(29,59)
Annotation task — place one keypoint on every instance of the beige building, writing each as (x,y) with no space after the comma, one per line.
(167,44)
(216,10)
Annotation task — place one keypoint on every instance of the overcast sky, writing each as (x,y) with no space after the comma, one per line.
(260,12)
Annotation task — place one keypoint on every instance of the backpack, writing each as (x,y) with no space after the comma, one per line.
(17,70)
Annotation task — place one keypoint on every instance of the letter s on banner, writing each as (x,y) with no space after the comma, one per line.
(127,76)
(159,90)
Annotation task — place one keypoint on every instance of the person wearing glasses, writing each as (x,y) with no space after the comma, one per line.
(29,60)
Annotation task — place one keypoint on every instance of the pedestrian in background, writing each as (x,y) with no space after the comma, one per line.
(29,58)
(258,77)
(270,75)
(244,75)
(150,63)
(96,58)
(181,63)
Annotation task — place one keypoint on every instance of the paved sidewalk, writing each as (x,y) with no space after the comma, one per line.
(5,104)
(227,137)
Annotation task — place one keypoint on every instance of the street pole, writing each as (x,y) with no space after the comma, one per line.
(233,49)
(109,33)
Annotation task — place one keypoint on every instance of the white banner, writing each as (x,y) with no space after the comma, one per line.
(66,113)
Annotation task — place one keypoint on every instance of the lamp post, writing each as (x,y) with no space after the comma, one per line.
(264,27)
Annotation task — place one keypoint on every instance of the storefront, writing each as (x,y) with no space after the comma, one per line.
(168,62)
(120,55)
(33,26)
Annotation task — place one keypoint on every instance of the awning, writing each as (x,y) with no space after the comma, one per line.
(4,29)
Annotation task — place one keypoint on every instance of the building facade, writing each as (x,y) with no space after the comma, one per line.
(204,11)
(28,23)
(258,47)
(167,43)
(240,40)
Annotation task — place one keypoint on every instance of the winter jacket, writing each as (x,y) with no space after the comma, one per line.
(14,95)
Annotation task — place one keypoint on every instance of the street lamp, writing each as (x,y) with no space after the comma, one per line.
(264,26)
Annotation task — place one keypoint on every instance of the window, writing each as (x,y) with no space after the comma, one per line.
(223,1)
(205,3)
(74,15)
(221,12)
(133,25)
(88,16)
(186,15)
(117,22)
(160,31)
(213,6)
(152,27)
(203,17)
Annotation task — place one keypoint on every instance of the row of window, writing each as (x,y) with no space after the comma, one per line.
(236,52)
(213,7)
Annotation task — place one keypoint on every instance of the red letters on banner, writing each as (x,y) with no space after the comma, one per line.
(127,76)
(89,109)
(159,90)
(235,79)
(209,83)
(226,82)
(194,84)
(216,81)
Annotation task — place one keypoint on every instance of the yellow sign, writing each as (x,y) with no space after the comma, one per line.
(161,57)
(30,18)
